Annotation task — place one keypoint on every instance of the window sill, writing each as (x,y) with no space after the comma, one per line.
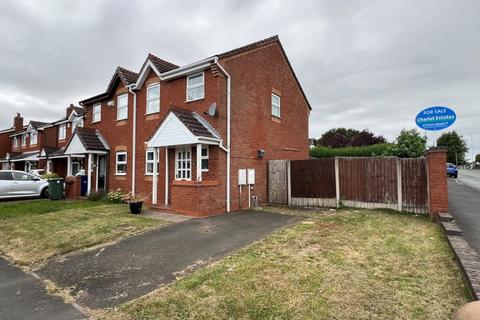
(276,119)
(120,174)
(193,100)
(121,119)
(96,121)
(150,113)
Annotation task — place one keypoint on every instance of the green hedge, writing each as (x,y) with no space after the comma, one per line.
(368,151)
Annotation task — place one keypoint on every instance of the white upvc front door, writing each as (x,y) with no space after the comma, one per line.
(183,163)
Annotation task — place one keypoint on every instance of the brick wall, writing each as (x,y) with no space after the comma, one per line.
(437,181)
(255,76)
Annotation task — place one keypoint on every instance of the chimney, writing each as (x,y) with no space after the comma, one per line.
(18,123)
(69,110)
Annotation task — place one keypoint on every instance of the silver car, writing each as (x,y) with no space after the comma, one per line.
(15,184)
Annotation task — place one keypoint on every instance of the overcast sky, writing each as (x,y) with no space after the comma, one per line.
(362,64)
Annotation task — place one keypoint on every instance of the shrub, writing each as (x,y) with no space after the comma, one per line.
(118,196)
(367,151)
(96,196)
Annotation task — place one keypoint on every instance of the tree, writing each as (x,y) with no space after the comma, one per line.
(409,144)
(456,146)
(343,137)
(366,138)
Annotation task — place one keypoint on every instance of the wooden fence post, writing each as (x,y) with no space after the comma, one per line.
(399,184)
(337,181)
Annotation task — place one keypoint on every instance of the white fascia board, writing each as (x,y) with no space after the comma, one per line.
(188,69)
(172,132)
(144,73)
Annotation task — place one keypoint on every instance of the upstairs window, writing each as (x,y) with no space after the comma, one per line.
(275,105)
(62,131)
(204,157)
(121,163)
(97,113)
(153,98)
(149,162)
(122,107)
(15,142)
(77,122)
(196,86)
(33,137)
(24,139)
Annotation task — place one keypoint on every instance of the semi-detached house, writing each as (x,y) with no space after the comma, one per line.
(195,139)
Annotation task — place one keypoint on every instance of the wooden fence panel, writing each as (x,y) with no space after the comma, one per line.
(313,178)
(368,182)
(278,181)
(414,185)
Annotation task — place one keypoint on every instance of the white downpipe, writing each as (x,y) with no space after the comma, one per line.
(155,177)
(89,182)
(96,172)
(166,176)
(228,130)
(134,138)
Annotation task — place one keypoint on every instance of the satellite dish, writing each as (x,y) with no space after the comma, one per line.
(212,109)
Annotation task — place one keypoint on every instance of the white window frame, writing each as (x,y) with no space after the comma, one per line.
(157,109)
(121,163)
(24,140)
(97,113)
(123,107)
(188,177)
(76,164)
(77,122)
(147,162)
(34,133)
(196,86)
(15,142)
(202,157)
(62,131)
(275,106)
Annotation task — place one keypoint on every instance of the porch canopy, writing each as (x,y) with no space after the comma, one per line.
(24,156)
(85,141)
(181,127)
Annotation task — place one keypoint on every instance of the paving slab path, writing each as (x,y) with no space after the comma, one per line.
(135,266)
(22,296)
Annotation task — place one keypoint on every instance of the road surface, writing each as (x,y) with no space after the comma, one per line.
(470,178)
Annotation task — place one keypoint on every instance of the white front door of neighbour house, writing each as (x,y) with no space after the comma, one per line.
(183,163)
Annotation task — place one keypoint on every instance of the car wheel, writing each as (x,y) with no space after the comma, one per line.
(455,176)
(44,193)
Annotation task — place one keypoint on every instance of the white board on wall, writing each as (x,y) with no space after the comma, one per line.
(242,177)
(251,176)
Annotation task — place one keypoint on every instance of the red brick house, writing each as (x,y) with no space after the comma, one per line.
(182,136)
(39,145)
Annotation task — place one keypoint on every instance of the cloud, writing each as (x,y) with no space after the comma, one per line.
(363,64)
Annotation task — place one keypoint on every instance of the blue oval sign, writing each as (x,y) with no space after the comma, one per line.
(435,118)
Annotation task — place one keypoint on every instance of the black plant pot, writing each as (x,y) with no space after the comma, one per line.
(136,207)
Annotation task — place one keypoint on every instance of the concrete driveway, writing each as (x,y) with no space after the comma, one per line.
(135,266)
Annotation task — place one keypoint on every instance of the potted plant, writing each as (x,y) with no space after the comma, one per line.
(135,202)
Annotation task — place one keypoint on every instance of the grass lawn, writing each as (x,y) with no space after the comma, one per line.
(357,264)
(35,230)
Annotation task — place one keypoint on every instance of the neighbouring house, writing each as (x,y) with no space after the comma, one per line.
(194,139)
(39,145)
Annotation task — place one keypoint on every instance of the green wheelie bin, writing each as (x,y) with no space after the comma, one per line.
(55,189)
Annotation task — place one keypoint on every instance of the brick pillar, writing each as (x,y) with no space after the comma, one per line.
(72,187)
(437,181)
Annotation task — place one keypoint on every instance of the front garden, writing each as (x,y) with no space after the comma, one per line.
(32,231)
(348,264)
